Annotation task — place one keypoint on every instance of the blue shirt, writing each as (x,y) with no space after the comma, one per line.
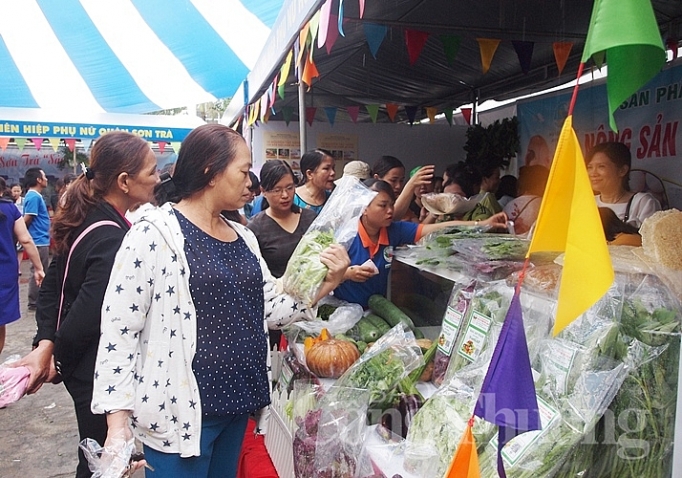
(226,283)
(258,203)
(34,205)
(381,253)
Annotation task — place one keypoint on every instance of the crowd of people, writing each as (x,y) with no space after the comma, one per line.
(159,328)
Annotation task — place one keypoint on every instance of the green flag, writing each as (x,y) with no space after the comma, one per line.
(627,32)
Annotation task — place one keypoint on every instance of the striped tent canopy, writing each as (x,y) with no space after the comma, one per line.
(128,56)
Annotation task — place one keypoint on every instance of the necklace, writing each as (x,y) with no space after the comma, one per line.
(617,200)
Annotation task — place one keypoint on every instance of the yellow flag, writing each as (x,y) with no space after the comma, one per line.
(569,222)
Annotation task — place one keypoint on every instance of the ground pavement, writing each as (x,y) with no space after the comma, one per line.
(38,434)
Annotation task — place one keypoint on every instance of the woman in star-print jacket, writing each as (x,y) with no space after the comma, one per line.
(183,353)
(122,174)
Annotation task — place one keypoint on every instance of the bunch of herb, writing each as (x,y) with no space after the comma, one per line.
(305,273)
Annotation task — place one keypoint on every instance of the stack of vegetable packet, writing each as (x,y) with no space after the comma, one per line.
(336,223)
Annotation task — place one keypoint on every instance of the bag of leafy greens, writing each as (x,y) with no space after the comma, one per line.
(337,223)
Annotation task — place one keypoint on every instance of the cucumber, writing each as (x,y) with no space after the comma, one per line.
(367,331)
(385,309)
(379,323)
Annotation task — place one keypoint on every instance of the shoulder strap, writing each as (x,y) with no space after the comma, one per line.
(527,204)
(627,209)
(80,237)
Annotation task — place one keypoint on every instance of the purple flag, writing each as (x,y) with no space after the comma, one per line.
(508,397)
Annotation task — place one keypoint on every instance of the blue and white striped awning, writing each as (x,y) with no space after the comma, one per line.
(128,56)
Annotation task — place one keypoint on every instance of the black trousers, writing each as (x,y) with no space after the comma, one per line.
(89,425)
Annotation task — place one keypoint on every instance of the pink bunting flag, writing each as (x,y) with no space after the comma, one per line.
(332,34)
(353,112)
(162,146)
(466,112)
(3,143)
(325,21)
(38,142)
(70,143)
(310,114)
(362,8)
(415,41)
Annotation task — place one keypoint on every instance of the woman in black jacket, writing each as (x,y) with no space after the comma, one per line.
(87,232)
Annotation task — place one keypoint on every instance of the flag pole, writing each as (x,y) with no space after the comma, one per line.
(575,89)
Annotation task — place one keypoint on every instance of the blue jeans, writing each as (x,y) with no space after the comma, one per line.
(221,443)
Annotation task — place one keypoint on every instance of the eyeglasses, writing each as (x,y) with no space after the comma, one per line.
(278,191)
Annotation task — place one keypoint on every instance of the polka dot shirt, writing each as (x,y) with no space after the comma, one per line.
(226,283)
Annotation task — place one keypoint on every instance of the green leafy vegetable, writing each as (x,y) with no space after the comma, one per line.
(305,273)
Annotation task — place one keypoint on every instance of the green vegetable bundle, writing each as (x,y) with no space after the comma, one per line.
(305,273)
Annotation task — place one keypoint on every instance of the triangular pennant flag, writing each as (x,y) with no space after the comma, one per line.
(86,143)
(176,144)
(272,96)
(415,41)
(340,19)
(284,71)
(266,117)
(54,142)
(375,36)
(21,142)
(391,109)
(309,71)
(524,50)
(465,462)
(310,114)
(466,113)
(510,403)
(411,112)
(37,142)
(372,110)
(162,146)
(673,45)
(562,49)
(297,65)
(628,32)
(280,91)
(569,221)
(330,111)
(325,21)
(488,47)
(353,112)
(253,113)
(450,46)
(302,40)
(70,143)
(314,25)
(263,107)
(431,112)
(332,35)
(448,115)
(3,143)
(362,8)
(287,113)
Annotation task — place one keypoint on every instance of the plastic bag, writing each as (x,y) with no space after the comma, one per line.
(110,461)
(343,318)
(13,381)
(492,247)
(448,203)
(336,223)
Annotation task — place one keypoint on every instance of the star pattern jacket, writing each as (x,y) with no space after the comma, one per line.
(148,340)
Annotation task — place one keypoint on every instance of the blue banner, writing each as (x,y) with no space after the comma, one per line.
(36,129)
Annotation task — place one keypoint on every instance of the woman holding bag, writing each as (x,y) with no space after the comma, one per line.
(87,231)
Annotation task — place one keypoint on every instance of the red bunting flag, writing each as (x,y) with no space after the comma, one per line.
(415,41)
(3,143)
(332,33)
(310,114)
(70,143)
(362,8)
(162,146)
(488,47)
(466,113)
(353,112)
(673,45)
(562,49)
(391,109)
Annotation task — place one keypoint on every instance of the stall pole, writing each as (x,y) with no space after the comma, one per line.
(303,140)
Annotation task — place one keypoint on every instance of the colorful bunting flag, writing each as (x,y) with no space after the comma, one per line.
(362,8)
(340,19)
(569,221)
(391,109)
(562,50)
(20,142)
(373,110)
(411,112)
(466,113)
(488,47)
(284,71)
(309,71)
(627,32)
(314,27)
(37,142)
(507,397)
(3,143)
(524,51)
(54,142)
(673,45)
(415,41)
(310,114)
(431,112)
(325,21)
(375,36)
(70,143)
(448,115)
(176,144)
(287,113)
(450,47)
(330,111)
(332,35)
(353,112)
(280,91)
(86,143)
(465,462)
(162,146)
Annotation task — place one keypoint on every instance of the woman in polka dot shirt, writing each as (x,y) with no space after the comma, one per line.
(182,359)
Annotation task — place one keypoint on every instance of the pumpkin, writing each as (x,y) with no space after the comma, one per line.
(331,358)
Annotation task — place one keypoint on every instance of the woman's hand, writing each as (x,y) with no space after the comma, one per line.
(422,177)
(498,221)
(359,273)
(40,363)
(335,257)
(119,446)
